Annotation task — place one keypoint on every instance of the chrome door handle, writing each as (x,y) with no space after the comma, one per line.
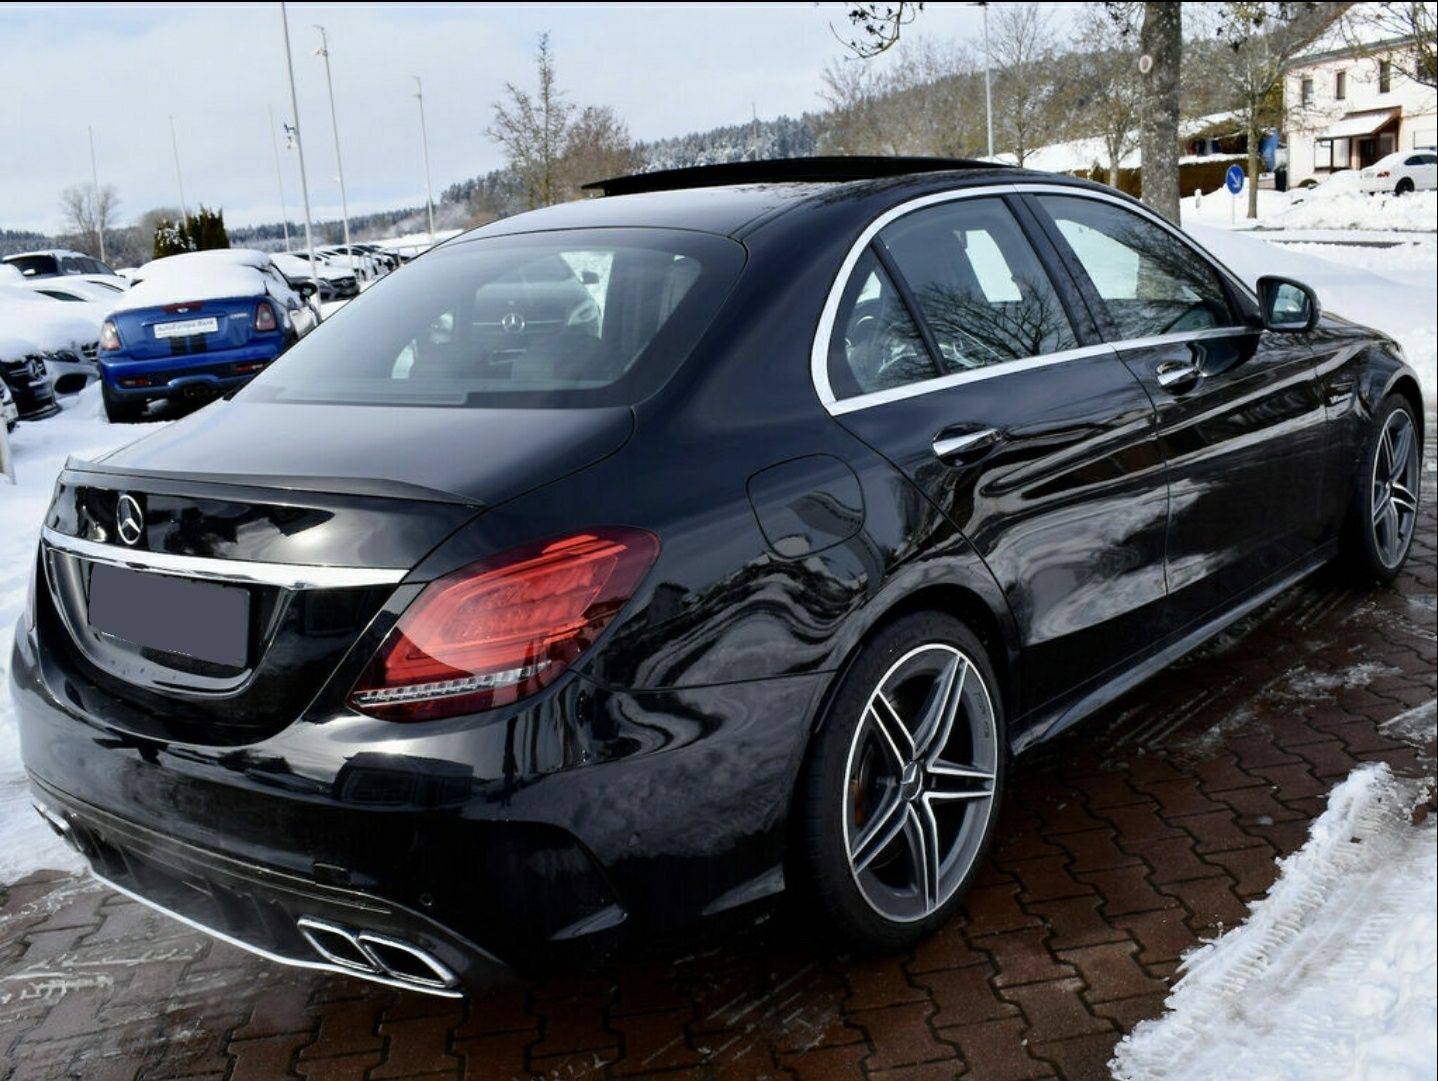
(1175,373)
(956,446)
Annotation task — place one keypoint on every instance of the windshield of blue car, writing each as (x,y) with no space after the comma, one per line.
(542,320)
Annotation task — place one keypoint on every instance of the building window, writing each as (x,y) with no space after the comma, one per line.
(1385,76)
(1340,85)
(1322,155)
(1307,91)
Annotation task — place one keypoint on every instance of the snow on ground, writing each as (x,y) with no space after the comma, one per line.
(40,450)
(1394,289)
(1335,203)
(1334,976)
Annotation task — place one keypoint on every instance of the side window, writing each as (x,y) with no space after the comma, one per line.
(876,344)
(70,265)
(1150,281)
(978,284)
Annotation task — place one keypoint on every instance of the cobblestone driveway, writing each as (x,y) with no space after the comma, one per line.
(1122,845)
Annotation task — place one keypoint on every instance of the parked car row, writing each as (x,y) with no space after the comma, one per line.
(188,326)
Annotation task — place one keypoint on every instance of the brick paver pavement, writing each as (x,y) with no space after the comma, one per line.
(1122,845)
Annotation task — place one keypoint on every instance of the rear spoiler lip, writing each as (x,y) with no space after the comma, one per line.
(375,487)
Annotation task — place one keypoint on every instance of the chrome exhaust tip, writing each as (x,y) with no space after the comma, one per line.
(378,956)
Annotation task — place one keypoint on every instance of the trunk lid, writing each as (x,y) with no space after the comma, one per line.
(188,328)
(206,583)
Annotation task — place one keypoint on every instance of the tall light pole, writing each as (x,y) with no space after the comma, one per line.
(300,150)
(95,187)
(988,94)
(280,178)
(424,141)
(324,50)
(179,176)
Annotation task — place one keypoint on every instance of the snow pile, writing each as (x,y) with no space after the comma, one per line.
(1417,211)
(1335,973)
(209,280)
(26,843)
(1337,202)
(31,322)
(1401,305)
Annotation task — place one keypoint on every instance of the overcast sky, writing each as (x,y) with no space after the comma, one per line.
(125,69)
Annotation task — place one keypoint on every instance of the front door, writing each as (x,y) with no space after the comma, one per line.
(958,357)
(1240,420)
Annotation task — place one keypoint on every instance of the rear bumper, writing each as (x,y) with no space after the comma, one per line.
(193,374)
(284,918)
(554,832)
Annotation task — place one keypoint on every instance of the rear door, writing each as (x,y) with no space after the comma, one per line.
(1240,419)
(957,356)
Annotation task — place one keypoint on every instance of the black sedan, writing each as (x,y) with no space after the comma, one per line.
(468,635)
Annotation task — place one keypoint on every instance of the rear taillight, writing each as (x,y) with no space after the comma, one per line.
(498,630)
(1382,173)
(265,317)
(109,336)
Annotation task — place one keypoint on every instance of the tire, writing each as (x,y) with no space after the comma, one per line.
(121,410)
(1383,514)
(1404,186)
(861,818)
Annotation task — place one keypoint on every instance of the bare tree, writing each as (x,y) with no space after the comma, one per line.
(597,145)
(1367,27)
(532,129)
(855,94)
(1022,43)
(875,28)
(1107,87)
(88,212)
(1262,39)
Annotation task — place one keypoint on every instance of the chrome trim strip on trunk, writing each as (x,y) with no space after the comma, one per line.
(245,572)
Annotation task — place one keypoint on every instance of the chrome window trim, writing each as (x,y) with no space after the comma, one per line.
(819,352)
(245,572)
(956,379)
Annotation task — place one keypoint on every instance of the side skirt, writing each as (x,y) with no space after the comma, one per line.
(1068,715)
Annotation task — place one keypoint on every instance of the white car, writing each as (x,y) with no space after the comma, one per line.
(336,283)
(1400,173)
(65,336)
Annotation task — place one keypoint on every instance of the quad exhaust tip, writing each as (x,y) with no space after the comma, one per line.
(381,957)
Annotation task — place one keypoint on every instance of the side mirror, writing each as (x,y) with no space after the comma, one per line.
(1288,305)
(306,289)
(589,277)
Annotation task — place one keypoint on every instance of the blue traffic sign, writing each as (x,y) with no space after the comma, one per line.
(1233,179)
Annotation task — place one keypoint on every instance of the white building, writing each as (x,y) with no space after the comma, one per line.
(1347,106)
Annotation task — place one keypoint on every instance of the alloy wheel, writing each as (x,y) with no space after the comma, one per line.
(1395,488)
(920,783)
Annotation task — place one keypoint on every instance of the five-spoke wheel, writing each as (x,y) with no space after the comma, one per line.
(903,783)
(1384,512)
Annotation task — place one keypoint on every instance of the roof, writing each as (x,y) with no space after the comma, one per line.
(1354,125)
(228,256)
(45,251)
(737,208)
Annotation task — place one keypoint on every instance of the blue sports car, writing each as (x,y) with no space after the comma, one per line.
(197,325)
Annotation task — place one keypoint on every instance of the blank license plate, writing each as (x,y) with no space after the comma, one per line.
(187,327)
(195,619)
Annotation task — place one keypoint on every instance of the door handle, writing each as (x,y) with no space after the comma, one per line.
(1178,375)
(954,446)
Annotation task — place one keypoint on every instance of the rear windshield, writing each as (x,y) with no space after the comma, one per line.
(32,265)
(545,320)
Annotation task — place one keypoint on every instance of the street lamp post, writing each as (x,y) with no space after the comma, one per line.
(324,50)
(988,94)
(300,150)
(280,179)
(424,141)
(95,187)
(179,176)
